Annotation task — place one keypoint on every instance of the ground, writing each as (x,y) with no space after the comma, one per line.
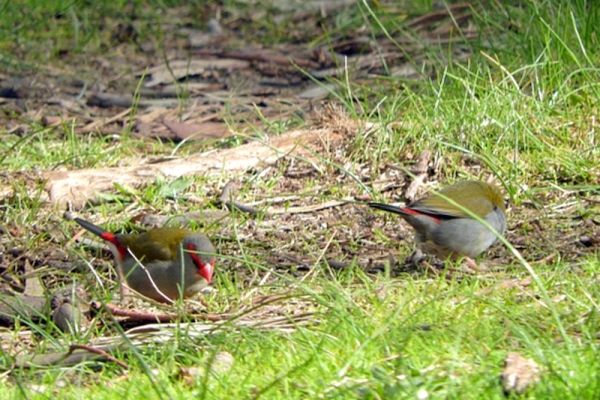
(273,147)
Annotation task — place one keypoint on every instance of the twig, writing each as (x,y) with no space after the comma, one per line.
(226,198)
(100,352)
(136,316)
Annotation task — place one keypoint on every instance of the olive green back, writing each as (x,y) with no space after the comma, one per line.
(477,196)
(157,244)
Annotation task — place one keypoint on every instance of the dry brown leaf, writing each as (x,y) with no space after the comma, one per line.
(205,130)
(519,373)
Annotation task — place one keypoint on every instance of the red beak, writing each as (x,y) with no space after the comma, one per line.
(206,270)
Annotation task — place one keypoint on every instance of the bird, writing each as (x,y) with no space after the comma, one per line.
(445,230)
(163,264)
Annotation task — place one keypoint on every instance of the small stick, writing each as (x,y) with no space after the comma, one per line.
(95,350)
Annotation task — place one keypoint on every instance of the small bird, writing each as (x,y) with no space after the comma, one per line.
(444,229)
(162,264)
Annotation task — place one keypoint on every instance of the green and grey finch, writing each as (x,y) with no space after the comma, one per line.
(177,262)
(444,229)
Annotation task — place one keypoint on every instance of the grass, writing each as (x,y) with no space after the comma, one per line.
(522,108)
(439,337)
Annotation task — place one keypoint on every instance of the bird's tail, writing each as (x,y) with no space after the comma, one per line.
(95,229)
(388,207)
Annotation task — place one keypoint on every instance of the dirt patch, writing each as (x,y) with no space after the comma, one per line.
(211,84)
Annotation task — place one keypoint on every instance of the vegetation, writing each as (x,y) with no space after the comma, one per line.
(518,102)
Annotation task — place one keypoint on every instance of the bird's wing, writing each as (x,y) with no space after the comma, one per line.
(155,245)
(477,205)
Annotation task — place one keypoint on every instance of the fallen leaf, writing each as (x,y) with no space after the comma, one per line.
(205,130)
(519,373)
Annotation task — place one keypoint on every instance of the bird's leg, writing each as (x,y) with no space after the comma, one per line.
(471,264)
(124,289)
(419,260)
(417,257)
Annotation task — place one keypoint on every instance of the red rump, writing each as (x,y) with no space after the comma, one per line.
(112,238)
(415,212)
